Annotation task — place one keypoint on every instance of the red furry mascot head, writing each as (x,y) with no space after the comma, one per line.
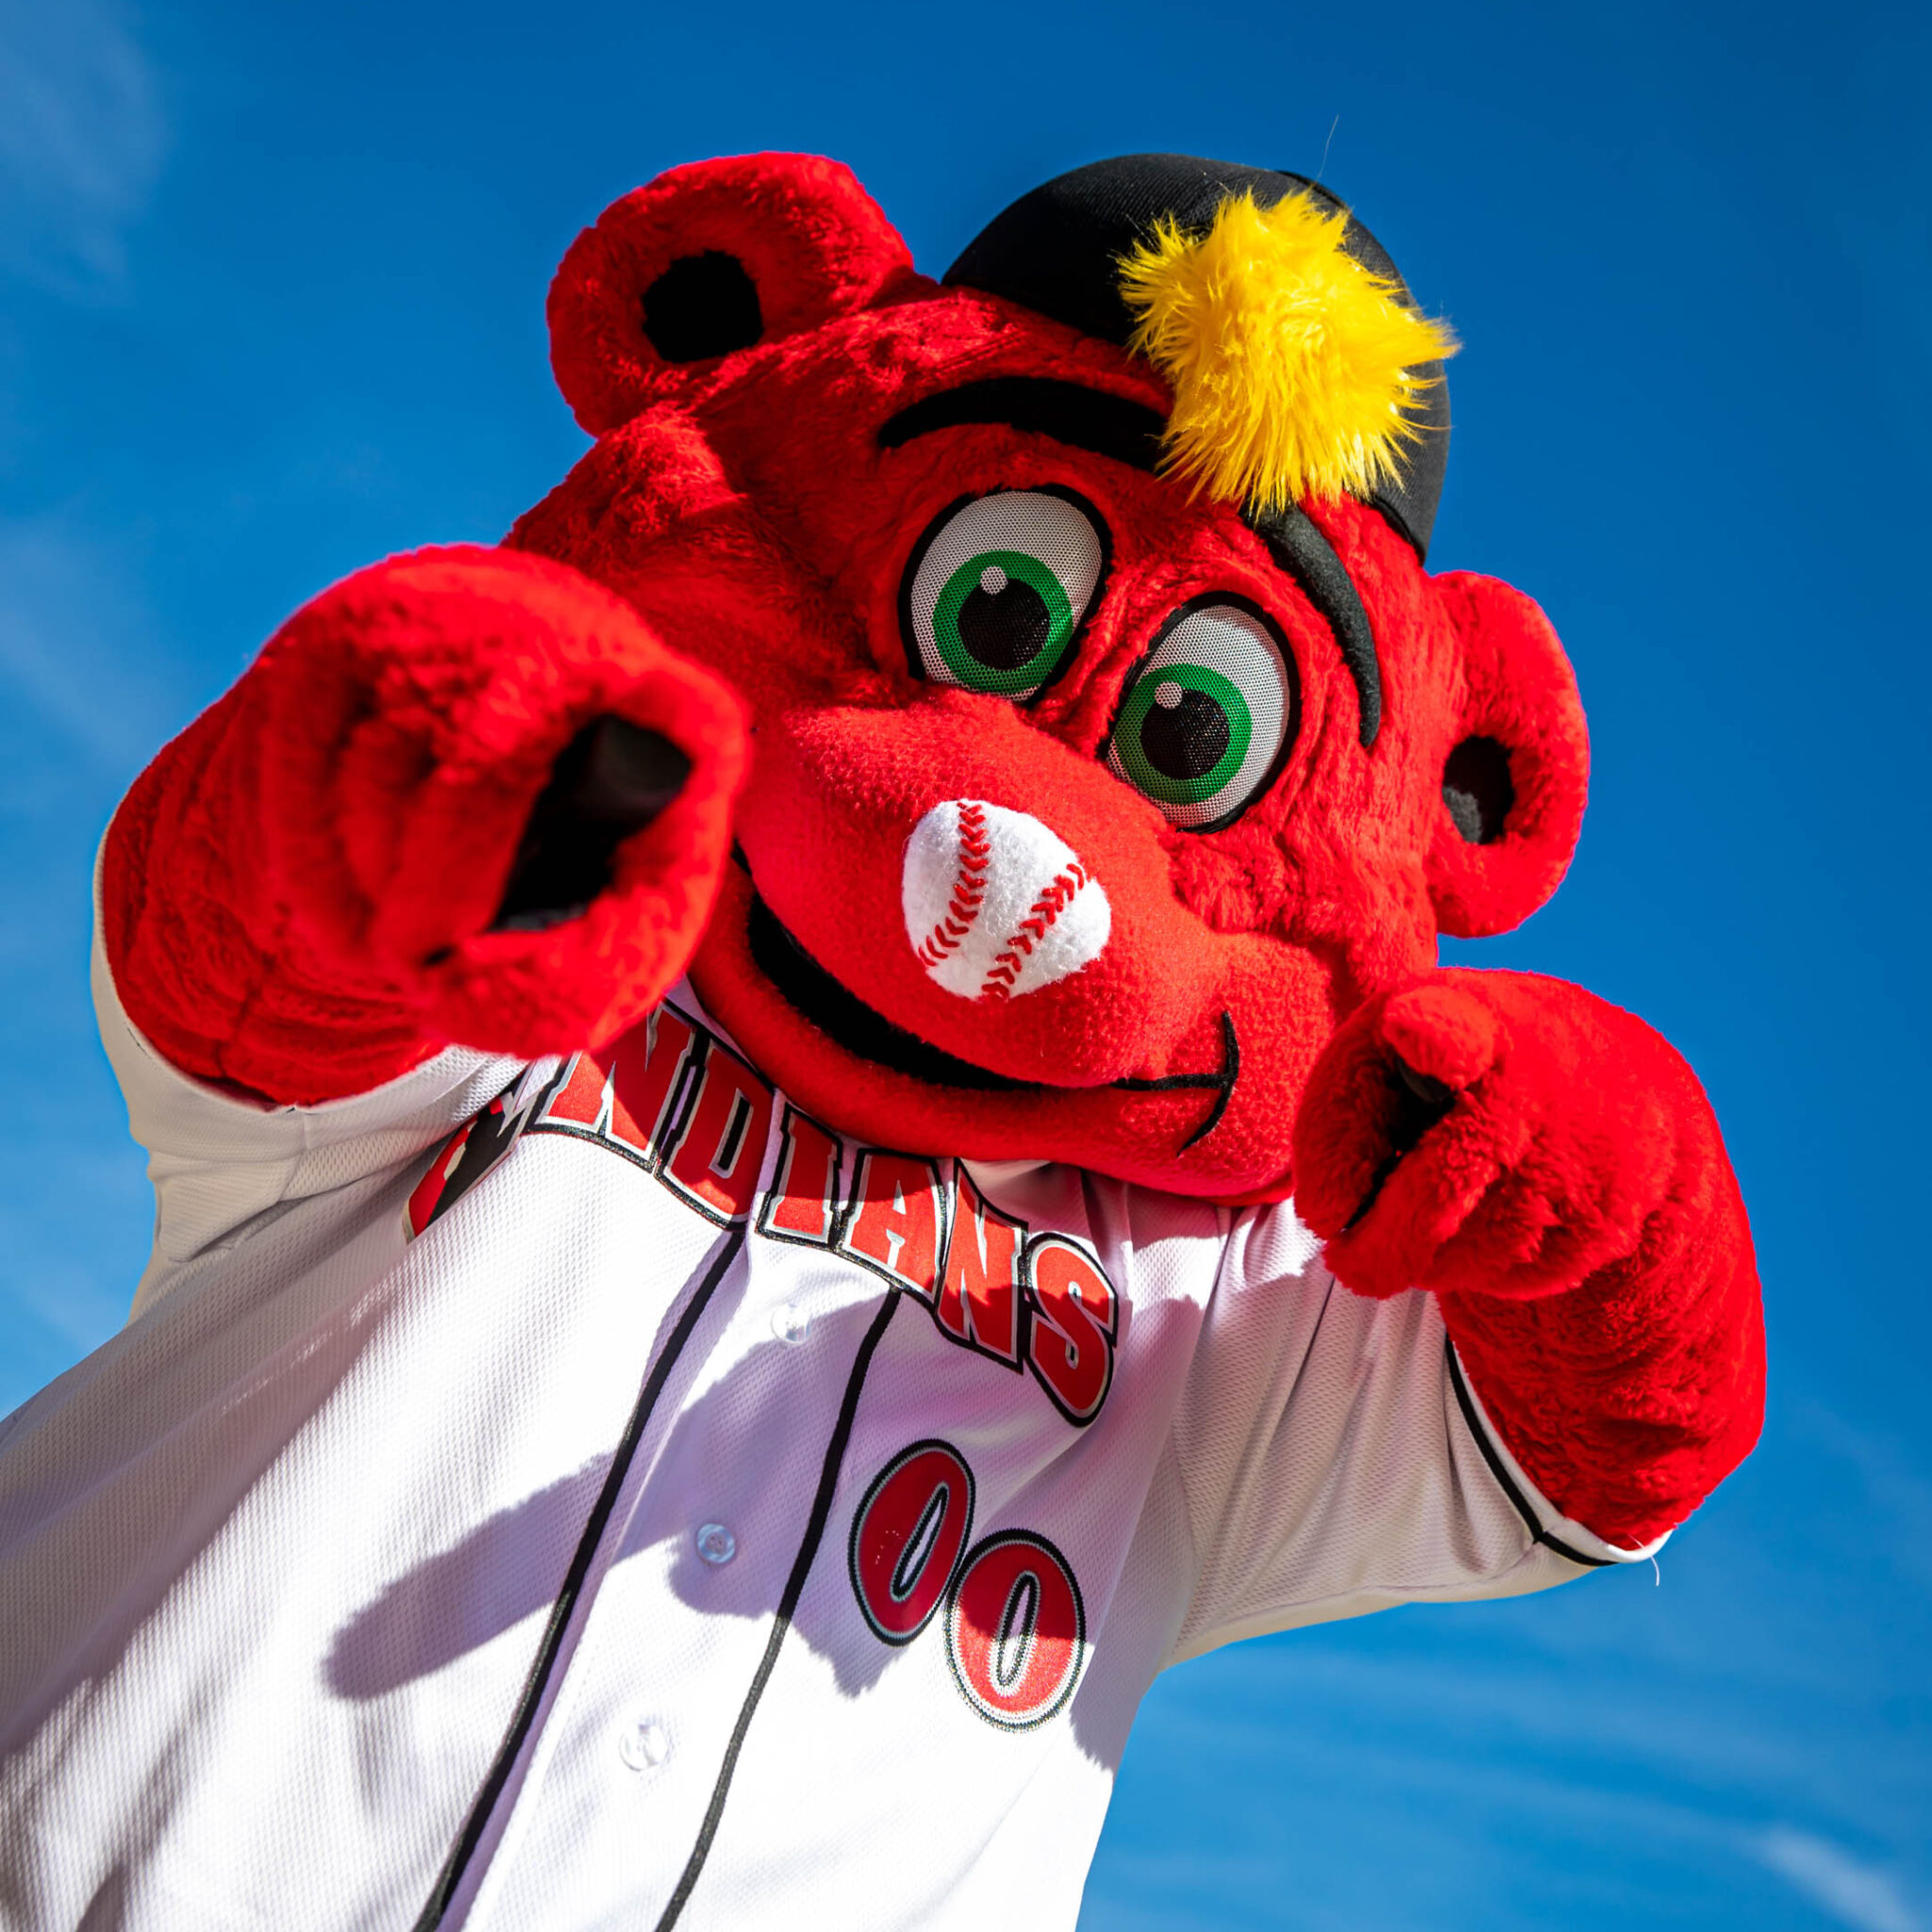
(1111,742)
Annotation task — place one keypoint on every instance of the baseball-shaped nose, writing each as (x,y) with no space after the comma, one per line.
(997,904)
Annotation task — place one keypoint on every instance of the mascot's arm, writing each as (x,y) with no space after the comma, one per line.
(1551,1169)
(463,797)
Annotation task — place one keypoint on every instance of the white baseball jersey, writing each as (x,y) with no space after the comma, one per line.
(597,1494)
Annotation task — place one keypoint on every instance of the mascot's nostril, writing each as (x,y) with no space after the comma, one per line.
(996,904)
(1004,622)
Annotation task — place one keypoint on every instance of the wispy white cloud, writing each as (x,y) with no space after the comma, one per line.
(77,645)
(68,1299)
(1432,1755)
(1897,1491)
(1856,1894)
(1691,1730)
(1688,1761)
(82,139)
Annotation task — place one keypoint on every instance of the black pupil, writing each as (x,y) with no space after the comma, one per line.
(1006,628)
(1185,739)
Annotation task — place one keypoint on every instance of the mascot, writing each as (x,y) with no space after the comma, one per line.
(805,1121)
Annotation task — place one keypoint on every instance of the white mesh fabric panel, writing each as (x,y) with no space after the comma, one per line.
(277,1556)
(219,1162)
(1328,1467)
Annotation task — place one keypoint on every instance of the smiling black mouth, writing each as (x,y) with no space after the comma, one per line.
(838,1013)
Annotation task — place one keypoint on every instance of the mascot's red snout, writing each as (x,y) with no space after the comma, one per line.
(977,884)
(996,906)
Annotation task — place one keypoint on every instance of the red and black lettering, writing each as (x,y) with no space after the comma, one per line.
(628,1094)
(896,1223)
(1016,1629)
(426,1197)
(979,1302)
(477,1147)
(582,1101)
(673,1097)
(908,1538)
(803,1204)
(646,1066)
(714,1162)
(1075,1317)
(1045,1304)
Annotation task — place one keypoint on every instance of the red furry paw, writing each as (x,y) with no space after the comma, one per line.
(1551,1166)
(464,796)
(1492,1133)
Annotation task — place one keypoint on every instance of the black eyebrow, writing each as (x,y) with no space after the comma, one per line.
(1297,545)
(1130,433)
(1088,419)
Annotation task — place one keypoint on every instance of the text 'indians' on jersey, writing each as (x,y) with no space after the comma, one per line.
(676,1101)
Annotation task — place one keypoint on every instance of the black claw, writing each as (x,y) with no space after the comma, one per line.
(1426,1088)
(611,779)
(1420,1101)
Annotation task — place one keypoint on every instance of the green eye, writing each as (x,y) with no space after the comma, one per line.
(1002,621)
(1209,715)
(996,590)
(1184,734)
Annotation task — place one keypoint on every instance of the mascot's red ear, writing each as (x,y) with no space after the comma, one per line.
(1514,781)
(708,259)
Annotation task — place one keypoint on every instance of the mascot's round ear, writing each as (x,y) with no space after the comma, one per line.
(709,259)
(1518,769)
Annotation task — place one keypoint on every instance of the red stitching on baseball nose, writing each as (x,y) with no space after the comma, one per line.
(969,888)
(1042,913)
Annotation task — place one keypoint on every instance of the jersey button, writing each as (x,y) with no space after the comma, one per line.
(716,1545)
(790,1323)
(644,1745)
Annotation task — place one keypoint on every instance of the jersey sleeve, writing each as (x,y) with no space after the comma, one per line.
(1334,1459)
(223,1163)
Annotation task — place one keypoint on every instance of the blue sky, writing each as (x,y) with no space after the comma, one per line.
(271,306)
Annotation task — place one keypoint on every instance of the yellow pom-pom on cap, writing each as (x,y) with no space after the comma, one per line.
(1296,371)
